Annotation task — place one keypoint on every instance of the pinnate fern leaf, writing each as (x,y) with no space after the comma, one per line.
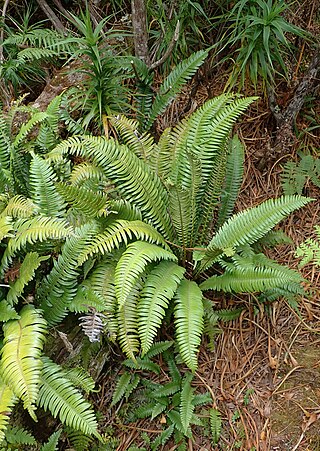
(119,233)
(40,228)
(159,288)
(250,225)
(189,321)
(309,250)
(26,273)
(186,402)
(173,83)
(91,203)
(58,395)
(132,264)
(52,443)
(20,364)
(7,401)
(5,227)
(215,425)
(128,323)
(19,207)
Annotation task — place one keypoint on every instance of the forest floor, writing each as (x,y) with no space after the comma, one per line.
(264,371)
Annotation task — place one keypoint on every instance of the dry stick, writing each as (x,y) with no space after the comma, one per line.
(169,49)
(52,16)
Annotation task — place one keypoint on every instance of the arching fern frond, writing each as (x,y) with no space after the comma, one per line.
(128,129)
(159,288)
(44,193)
(7,401)
(132,264)
(60,286)
(189,321)
(233,180)
(63,400)
(20,364)
(20,207)
(26,128)
(309,250)
(128,323)
(52,443)
(172,85)
(85,171)
(186,402)
(250,225)
(26,273)
(119,233)
(250,279)
(91,203)
(32,230)
(5,227)
(134,179)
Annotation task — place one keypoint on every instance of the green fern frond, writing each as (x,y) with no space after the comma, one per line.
(26,273)
(133,178)
(128,129)
(215,425)
(20,364)
(250,225)
(186,402)
(52,443)
(173,83)
(44,193)
(79,377)
(58,395)
(233,180)
(7,312)
(189,321)
(26,128)
(142,364)
(5,227)
(19,436)
(158,348)
(133,263)
(20,207)
(163,437)
(252,279)
(79,441)
(122,209)
(128,324)
(85,171)
(159,288)
(121,387)
(91,203)
(60,286)
(119,233)
(309,250)
(7,401)
(40,229)
(166,390)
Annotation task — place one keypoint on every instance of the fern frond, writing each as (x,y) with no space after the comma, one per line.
(26,273)
(173,83)
(58,395)
(26,128)
(250,225)
(52,443)
(40,228)
(133,263)
(20,364)
(133,178)
(121,387)
(7,401)
(186,402)
(5,227)
(252,279)
(159,288)
(189,321)
(83,172)
(128,129)
(215,425)
(44,193)
(19,436)
(79,377)
(128,324)
(80,441)
(7,312)
(19,207)
(60,286)
(91,203)
(233,180)
(158,348)
(309,250)
(119,233)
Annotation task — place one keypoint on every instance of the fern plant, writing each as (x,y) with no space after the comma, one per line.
(153,239)
(174,401)
(296,175)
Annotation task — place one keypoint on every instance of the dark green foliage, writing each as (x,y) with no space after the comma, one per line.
(296,175)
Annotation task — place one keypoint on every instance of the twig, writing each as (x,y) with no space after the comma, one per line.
(166,55)
(52,16)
